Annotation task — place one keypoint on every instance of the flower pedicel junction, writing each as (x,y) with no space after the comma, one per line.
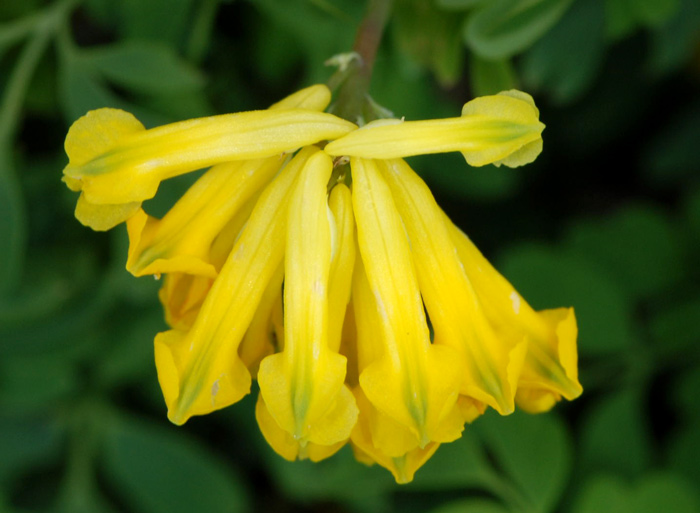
(311,257)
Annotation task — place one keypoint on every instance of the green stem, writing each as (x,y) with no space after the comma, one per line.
(14,31)
(12,211)
(353,94)
(201,30)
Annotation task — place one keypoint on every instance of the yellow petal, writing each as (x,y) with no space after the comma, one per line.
(413,382)
(491,364)
(200,370)
(500,129)
(118,161)
(285,444)
(303,385)
(387,435)
(342,263)
(104,217)
(259,341)
(551,360)
(180,242)
(315,97)
(367,449)
(182,296)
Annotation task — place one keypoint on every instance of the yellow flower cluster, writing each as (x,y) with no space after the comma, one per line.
(311,257)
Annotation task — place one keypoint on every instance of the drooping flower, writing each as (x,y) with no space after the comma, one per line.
(312,258)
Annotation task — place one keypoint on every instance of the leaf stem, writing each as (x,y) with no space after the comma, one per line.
(353,93)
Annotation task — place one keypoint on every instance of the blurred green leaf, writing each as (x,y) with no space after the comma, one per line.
(26,441)
(692,210)
(155,20)
(30,383)
(82,91)
(320,34)
(449,176)
(637,245)
(674,329)
(339,478)
(548,278)
(673,44)
(661,491)
(503,28)
(458,5)
(602,493)
(12,226)
(431,37)
(653,13)
(144,67)
(566,60)
(535,451)
(460,464)
(12,32)
(472,506)
(683,452)
(671,156)
(127,355)
(624,16)
(686,394)
(159,469)
(491,76)
(615,436)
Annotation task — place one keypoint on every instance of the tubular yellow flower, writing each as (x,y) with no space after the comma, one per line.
(180,242)
(365,315)
(493,364)
(199,370)
(413,382)
(551,370)
(303,386)
(500,129)
(132,164)
(377,438)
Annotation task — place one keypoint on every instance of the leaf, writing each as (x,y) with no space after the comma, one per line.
(430,37)
(615,435)
(686,395)
(534,451)
(460,464)
(567,59)
(671,156)
(12,226)
(159,469)
(472,506)
(458,5)
(491,77)
(144,67)
(339,478)
(673,44)
(319,34)
(449,176)
(154,20)
(550,278)
(32,383)
(674,331)
(26,441)
(661,491)
(637,245)
(624,16)
(683,453)
(504,28)
(127,354)
(81,90)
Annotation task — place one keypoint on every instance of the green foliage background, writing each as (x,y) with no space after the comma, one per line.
(607,220)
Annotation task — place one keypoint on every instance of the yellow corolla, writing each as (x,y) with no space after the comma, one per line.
(311,257)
